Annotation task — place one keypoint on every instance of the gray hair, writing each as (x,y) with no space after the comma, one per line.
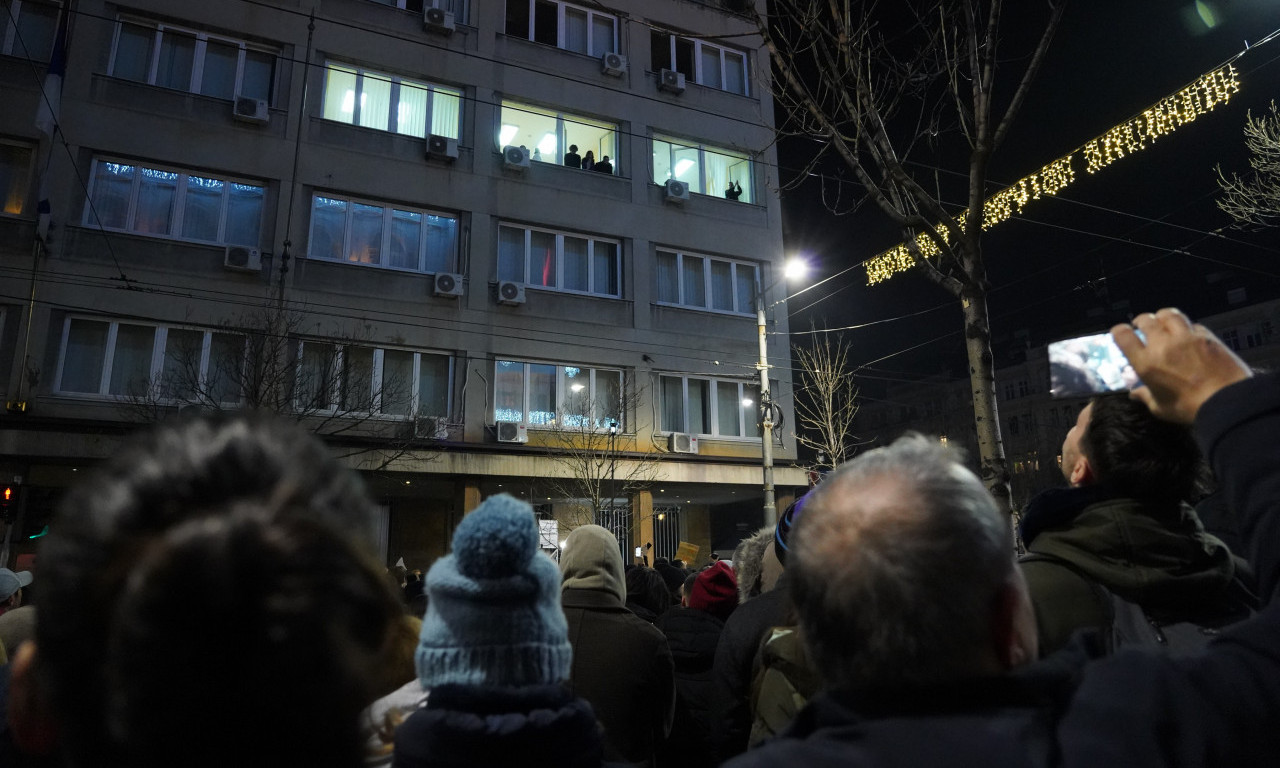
(897,561)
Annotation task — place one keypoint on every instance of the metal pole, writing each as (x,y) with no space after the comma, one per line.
(766,413)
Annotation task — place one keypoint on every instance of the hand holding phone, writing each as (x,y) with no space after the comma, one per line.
(1089,365)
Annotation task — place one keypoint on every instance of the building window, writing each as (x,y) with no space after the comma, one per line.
(559,261)
(381,235)
(1022,388)
(1013,425)
(155,363)
(706,282)
(715,407)
(548,134)
(356,379)
(564,25)
(29,28)
(1231,337)
(1009,392)
(706,169)
(189,60)
(390,103)
(461,9)
(547,395)
(173,203)
(15,177)
(701,62)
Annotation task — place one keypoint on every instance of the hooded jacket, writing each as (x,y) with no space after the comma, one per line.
(1158,557)
(621,663)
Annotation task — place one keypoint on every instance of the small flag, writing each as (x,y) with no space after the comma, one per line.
(400,563)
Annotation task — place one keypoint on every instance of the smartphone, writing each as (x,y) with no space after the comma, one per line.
(639,551)
(1088,365)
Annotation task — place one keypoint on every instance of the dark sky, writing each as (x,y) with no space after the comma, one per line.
(1139,231)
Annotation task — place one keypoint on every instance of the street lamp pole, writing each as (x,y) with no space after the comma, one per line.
(766,413)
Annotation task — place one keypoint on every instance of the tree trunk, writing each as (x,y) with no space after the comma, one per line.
(993,468)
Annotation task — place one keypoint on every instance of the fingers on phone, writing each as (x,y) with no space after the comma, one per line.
(1127,340)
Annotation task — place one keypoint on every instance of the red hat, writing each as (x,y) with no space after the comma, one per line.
(715,591)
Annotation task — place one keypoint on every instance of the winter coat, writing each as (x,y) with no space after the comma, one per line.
(1074,709)
(473,726)
(692,635)
(621,663)
(733,668)
(784,682)
(1158,557)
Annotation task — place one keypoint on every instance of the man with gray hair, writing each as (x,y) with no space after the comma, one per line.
(913,610)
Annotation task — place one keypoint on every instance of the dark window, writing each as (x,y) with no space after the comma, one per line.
(518,19)
(544,23)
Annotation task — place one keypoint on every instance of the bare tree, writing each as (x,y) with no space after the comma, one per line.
(827,401)
(880,98)
(1254,202)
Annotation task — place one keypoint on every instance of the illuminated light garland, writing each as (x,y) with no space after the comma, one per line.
(1129,137)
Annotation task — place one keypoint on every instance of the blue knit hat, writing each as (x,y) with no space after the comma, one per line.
(782,533)
(493,608)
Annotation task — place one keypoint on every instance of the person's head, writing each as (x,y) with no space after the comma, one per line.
(604,158)
(748,563)
(589,155)
(209,596)
(902,573)
(715,590)
(11,586)
(646,588)
(686,589)
(591,559)
(1118,445)
(493,609)
(573,147)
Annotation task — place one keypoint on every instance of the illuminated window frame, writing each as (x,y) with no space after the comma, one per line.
(442,110)
(430,258)
(566,377)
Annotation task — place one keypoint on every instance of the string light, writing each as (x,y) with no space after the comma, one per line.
(1129,137)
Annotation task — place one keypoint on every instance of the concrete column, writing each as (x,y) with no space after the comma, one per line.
(642,521)
(470,497)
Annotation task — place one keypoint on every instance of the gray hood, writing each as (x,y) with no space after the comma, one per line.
(591,560)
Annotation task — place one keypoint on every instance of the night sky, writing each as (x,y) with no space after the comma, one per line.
(1139,231)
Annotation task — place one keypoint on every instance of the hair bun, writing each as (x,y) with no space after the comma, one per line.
(497,539)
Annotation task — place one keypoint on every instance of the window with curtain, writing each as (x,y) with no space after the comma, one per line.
(564,25)
(382,235)
(365,380)
(701,62)
(713,407)
(174,203)
(559,261)
(191,60)
(707,169)
(15,177)
(28,29)
(705,282)
(387,102)
(548,395)
(549,134)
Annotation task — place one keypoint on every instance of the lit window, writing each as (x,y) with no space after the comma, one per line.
(559,261)
(708,170)
(701,62)
(358,379)
(563,25)
(193,61)
(382,235)
(716,407)
(551,396)
(15,177)
(705,282)
(549,134)
(390,103)
(174,203)
(29,28)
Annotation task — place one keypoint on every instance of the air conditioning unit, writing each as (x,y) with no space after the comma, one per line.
(431,428)
(447,284)
(442,148)
(510,292)
(242,258)
(613,64)
(671,81)
(515,158)
(512,432)
(437,20)
(250,110)
(683,442)
(676,191)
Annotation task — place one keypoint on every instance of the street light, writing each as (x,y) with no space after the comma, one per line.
(795,268)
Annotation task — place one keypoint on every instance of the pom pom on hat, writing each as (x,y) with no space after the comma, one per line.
(497,539)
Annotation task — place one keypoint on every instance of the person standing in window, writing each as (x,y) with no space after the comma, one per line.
(571,158)
(734,191)
(604,166)
(588,161)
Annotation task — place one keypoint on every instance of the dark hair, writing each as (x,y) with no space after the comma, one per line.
(645,587)
(1135,455)
(209,596)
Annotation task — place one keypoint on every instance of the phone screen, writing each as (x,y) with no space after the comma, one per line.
(639,552)
(1088,365)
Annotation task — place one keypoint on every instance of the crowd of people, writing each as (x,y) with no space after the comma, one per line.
(209,597)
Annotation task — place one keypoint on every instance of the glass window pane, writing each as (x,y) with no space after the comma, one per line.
(219,76)
(177,54)
(542,259)
(517,22)
(751,412)
(36,25)
(672,404)
(722,285)
(710,66)
(396,390)
(605,255)
(442,243)
(259,75)
(740,172)
(745,277)
(203,208)
(695,289)
(316,375)
(577,397)
(411,111)
(157,191)
(659,50)
(131,364)
(133,52)
(542,394)
(366,234)
(225,375)
(433,385)
(544,22)
(15,177)
(602,41)
(180,377)
(575,264)
(608,398)
(700,406)
(244,214)
(446,114)
(508,391)
(112,188)
(661,161)
(511,254)
(357,379)
(575,30)
(728,407)
(83,359)
(532,128)
(685,167)
(668,278)
(375,101)
(716,172)
(735,72)
(684,58)
(340,94)
(406,238)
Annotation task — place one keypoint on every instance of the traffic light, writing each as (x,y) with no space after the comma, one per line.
(9,503)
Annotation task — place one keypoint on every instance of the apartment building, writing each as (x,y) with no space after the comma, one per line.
(367,214)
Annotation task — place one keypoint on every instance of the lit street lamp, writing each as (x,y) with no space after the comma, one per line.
(794,268)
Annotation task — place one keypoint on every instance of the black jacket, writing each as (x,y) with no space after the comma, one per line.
(692,635)
(733,669)
(1133,709)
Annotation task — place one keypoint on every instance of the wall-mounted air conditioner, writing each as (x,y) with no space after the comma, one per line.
(676,191)
(431,428)
(510,292)
(515,158)
(446,284)
(250,110)
(613,64)
(512,432)
(438,21)
(671,81)
(683,442)
(243,258)
(442,148)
